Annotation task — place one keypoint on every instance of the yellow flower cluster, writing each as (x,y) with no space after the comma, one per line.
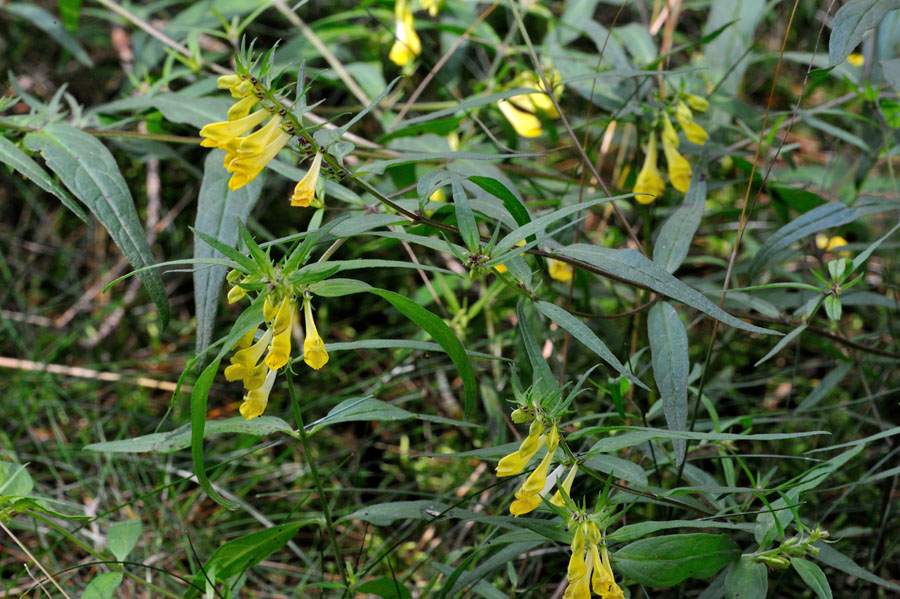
(649,184)
(535,487)
(589,566)
(246,155)
(247,362)
(520,110)
(406,41)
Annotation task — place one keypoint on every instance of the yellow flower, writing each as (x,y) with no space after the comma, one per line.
(256,399)
(524,505)
(502,267)
(525,123)
(314,353)
(244,361)
(826,243)
(579,570)
(280,350)
(694,132)
(236,294)
(856,60)
(218,135)
(649,184)
(557,498)
(606,583)
(255,152)
(537,479)
(560,271)
(539,100)
(242,108)
(305,190)
(432,6)
(679,167)
(245,341)
(238,85)
(697,103)
(407,44)
(515,462)
(529,495)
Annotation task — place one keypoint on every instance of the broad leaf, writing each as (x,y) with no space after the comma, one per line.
(667,560)
(123,536)
(851,21)
(747,579)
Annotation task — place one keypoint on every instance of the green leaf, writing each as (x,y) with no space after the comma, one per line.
(629,532)
(851,21)
(11,154)
(181,437)
(747,579)
(42,19)
(813,576)
(542,377)
(586,336)
(512,203)
(386,588)
(539,224)
(70,11)
(123,536)
(218,211)
(89,171)
(14,480)
(675,235)
(103,586)
(237,555)
(361,409)
(465,218)
(830,556)
(826,216)
(667,560)
(671,366)
(782,343)
(632,266)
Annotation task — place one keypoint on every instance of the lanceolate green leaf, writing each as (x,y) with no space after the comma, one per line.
(632,266)
(669,349)
(585,335)
(667,560)
(747,579)
(675,236)
(823,217)
(851,21)
(218,211)
(11,154)
(89,171)
(237,555)
(512,204)
(813,576)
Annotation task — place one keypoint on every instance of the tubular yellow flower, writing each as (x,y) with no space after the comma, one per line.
(649,184)
(228,81)
(525,123)
(679,167)
(539,100)
(407,44)
(246,167)
(524,505)
(694,132)
(577,566)
(270,309)
(557,498)
(257,377)
(613,590)
(280,350)
(856,59)
(256,142)
(238,85)
(218,135)
(314,353)
(537,479)
(284,318)
(305,190)
(560,271)
(256,400)
(515,462)
(244,361)
(242,108)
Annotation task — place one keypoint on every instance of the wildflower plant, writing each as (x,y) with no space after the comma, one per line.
(431,352)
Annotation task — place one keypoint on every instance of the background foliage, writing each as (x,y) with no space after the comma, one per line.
(722,447)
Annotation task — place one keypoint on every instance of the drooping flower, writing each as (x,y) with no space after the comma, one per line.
(221,134)
(694,132)
(305,190)
(566,484)
(530,494)
(406,43)
(242,108)
(244,361)
(515,462)
(314,353)
(280,350)
(257,399)
(698,103)
(649,184)
(679,167)
(255,152)
(525,123)
(559,270)
(539,100)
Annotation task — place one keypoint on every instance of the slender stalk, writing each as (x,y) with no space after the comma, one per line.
(317,481)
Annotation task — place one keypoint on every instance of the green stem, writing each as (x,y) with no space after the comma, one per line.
(311,462)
